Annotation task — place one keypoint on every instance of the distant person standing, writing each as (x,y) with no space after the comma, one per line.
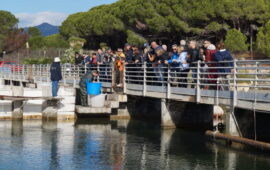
(193,57)
(78,59)
(209,59)
(56,75)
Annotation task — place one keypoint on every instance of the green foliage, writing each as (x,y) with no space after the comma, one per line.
(7,21)
(55,41)
(69,56)
(42,60)
(103,45)
(236,41)
(76,43)
(33,31)
(263,39)
(36,42)
(170,20)
(214,26)
(135,39)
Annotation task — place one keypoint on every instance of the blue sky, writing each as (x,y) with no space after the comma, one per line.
(34,12)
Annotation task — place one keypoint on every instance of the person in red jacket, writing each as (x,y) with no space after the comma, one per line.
(209,59)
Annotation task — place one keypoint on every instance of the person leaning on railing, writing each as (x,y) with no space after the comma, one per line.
(174,65)
(184,66)
(120,61)
(193,57)
(225,60)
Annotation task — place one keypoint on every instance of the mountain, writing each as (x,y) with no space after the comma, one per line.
(47,29)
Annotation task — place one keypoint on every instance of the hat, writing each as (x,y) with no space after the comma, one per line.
(57,59)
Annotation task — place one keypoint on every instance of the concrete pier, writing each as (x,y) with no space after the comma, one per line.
(17,109)
(37,108)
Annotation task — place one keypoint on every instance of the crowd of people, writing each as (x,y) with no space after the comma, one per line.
(180,59)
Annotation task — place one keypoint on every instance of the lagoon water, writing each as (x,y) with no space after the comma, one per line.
(104,144)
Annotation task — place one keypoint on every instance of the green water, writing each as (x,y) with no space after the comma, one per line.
(104,144)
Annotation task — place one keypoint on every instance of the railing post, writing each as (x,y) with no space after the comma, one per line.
(64,73)
(169,83)
(234,83)
(124,80)
(256,75)
(112,74)
(23,72)
(144,79)
(198,84)
(48,73)
(40,70)
(98,69)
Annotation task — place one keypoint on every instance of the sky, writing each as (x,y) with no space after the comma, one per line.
(35,12)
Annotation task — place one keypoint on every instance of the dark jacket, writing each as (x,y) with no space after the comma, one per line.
(129,56)
(86,77)
(194,56)
(225,59)
(78,60)
(55,71)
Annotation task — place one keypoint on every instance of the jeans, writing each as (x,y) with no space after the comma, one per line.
(159,71)
(54,88)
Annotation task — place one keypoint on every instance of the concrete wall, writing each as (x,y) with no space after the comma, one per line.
(245,120)
(187,115)
(172,113)
(144,108)
(34,108)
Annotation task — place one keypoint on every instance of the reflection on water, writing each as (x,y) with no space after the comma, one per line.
(104,144)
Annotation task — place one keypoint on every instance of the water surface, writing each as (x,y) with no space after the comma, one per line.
(104,144)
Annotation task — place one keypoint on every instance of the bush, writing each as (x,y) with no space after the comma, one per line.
(42,60)
(263,40)
(135,39)
(235,41)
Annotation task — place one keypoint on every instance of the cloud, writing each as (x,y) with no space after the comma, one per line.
(34,19)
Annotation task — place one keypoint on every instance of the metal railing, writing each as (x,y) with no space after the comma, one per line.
(41,73)
(246,80)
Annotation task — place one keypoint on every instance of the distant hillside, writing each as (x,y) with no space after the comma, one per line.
(47,29)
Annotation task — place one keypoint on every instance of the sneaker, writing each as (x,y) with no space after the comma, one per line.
(119,85)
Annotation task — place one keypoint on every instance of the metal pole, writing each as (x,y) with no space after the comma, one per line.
(98,69)
(124,81)
(144,79)
(169,83)
(198,89)
(234,83)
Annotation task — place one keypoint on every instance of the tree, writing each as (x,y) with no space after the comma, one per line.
(34,32)
(7,21)
(166,20)
(55,41)
(36,42)
(263,39)
(8,24)
(135,39)
(235,41)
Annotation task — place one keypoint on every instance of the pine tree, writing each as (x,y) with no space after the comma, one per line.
(236,41)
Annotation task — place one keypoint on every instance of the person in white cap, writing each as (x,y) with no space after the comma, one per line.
(56,75)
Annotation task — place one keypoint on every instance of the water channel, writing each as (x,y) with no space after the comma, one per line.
(104,144)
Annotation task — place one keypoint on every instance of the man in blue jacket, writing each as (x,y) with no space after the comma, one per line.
(56,75)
